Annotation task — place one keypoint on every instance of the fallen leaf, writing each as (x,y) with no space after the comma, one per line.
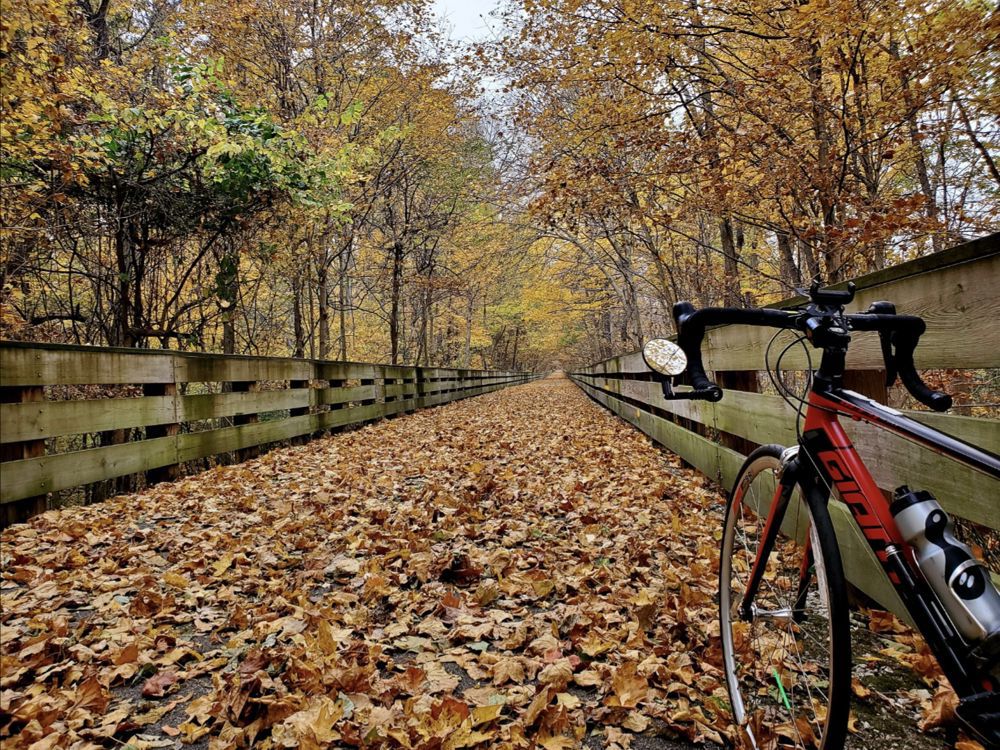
(157,685)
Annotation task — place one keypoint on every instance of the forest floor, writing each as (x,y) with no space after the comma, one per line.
(519,569)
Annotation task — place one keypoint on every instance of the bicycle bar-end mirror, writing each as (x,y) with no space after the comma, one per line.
(664,356)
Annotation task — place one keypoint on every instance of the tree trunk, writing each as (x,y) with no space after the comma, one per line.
(824,181)
(344,295)
(120,335)
(811,258)
(428,324)
(299,345)
(789,271)
(919,159)
(467,359)
(228,332)
(323,304)
(517,336)
(342,316)
(990,164)
(732,279)
(97,20)
(396,290)
(227,283)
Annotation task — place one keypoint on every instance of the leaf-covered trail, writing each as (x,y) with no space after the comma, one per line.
(514,569)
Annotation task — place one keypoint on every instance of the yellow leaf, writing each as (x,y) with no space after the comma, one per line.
(222,564)
(483,714)
(636,722)
(176,580)
(558,742)
(629,687)
(568,700)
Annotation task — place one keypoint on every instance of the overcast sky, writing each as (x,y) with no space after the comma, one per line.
(466,16)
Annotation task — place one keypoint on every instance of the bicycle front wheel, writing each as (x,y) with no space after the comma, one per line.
(788,661)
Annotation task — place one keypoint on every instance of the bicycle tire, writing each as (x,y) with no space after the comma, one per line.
(764,708)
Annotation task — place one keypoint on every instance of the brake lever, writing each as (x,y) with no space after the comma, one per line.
(885,339)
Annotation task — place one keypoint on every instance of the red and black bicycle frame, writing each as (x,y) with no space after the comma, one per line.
(827,460)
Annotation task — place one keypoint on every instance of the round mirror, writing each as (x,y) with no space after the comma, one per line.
(664,357)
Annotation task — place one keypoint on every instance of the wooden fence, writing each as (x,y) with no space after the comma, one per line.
(956,291)
(156,410)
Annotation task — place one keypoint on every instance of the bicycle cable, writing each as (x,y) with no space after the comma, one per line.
(788,396)
(777,377)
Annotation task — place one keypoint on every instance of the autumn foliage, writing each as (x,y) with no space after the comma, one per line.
(288,179)
(341,180)
(727,152)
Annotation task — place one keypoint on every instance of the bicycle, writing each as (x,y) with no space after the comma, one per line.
(782,590)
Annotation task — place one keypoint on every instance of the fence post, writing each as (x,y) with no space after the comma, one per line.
(301,410)
(171,471)
(244,454)
(378,374)
(419,387)
(740,380)
(869,383)
(21,510)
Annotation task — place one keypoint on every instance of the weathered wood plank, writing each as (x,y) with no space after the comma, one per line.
(440,386)
(893,461)
(860,565)
(159,371)
(345,394)
(32,504)
(352,415)
(52,418)
(251,388)
(194,445)
(169,428)
(954,293)
(967,251)
(240,403)
(36,476)
(48,365)
(346,371)
(400,389)
(402,406)
(976,430)
(712,459)
(399,372)
(200,369)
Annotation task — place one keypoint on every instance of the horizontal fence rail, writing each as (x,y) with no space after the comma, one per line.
(955,291)
(152,411)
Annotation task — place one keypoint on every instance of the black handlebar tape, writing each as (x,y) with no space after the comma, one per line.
(910,324)
(691,326)
(905,331)
(711,393)
(905,346)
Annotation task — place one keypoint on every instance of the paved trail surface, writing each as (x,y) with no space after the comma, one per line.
(519,569)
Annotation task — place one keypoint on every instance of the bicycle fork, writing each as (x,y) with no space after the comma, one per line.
(772,527)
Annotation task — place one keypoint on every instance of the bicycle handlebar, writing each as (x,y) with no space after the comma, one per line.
(897,332)
(902,333)
(691,326)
